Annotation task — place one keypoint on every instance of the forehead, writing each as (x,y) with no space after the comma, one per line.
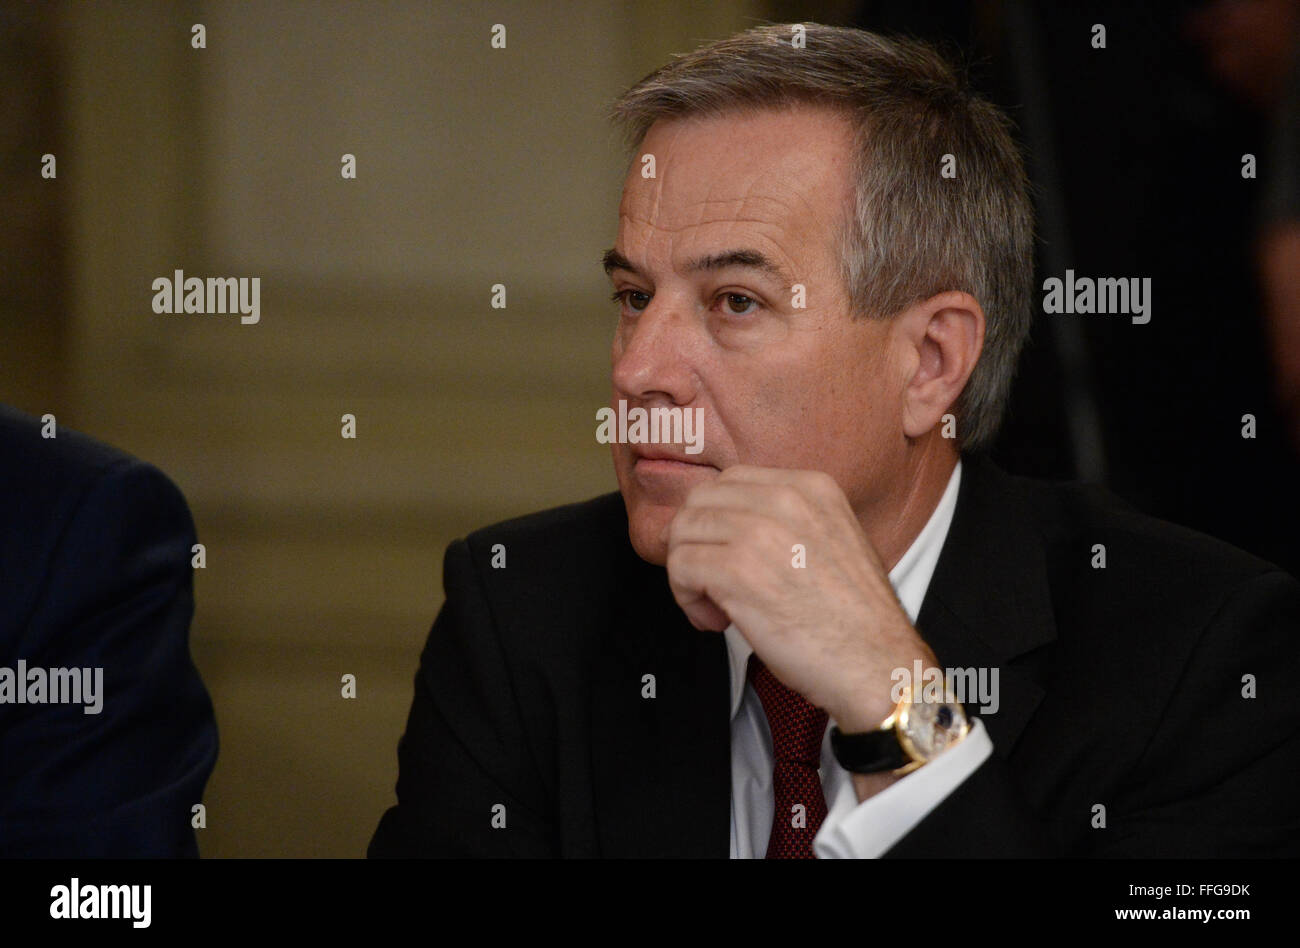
(783,175)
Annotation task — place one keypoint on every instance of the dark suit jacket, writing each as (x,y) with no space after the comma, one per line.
(1120,686)
(95,571)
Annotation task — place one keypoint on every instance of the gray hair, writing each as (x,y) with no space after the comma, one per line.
(912,233)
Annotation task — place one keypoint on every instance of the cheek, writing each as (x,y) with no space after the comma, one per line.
(833,417)
(780,425)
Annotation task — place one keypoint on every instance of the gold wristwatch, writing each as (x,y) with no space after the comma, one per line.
(913,735)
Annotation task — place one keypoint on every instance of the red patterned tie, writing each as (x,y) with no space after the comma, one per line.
(797,732)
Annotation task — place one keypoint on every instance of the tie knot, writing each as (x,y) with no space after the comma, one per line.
(798,727)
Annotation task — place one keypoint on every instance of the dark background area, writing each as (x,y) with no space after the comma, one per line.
(1136,151)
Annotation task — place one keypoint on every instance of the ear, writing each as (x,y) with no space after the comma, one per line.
(941,339)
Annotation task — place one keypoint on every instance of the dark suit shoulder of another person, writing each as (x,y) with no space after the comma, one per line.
(95,550)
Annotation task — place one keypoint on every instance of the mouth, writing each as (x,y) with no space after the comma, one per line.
(668,466)
(665,477)
(651,459)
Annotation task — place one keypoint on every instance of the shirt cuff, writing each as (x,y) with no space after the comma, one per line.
(866,830)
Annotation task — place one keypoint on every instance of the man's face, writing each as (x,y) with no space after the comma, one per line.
(780,385)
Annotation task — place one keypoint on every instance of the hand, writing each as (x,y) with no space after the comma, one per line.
(831,629)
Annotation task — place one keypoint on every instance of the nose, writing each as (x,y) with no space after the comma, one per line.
(654,356)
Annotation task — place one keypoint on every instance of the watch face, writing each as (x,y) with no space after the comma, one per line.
(927,729)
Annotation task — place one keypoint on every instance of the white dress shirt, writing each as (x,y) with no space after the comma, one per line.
(851,829)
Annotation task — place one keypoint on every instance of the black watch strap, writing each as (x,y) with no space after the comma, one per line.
(870,752)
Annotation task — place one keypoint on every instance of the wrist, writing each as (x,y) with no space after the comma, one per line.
(863,715)
(866,786)
(869,707)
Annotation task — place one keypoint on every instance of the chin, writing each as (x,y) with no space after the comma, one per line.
(645,526)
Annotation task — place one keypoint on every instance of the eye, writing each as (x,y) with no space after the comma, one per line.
(625,297)
(738,304)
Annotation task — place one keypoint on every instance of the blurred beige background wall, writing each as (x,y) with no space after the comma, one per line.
(475,166)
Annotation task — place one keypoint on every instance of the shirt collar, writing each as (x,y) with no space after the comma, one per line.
(910,578)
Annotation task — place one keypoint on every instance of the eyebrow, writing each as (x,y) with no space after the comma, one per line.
(751,259)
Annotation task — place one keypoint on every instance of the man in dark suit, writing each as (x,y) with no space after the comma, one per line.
(762,647)
(107,734)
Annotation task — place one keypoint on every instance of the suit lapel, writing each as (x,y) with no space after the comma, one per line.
(661,766)
(989,601)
